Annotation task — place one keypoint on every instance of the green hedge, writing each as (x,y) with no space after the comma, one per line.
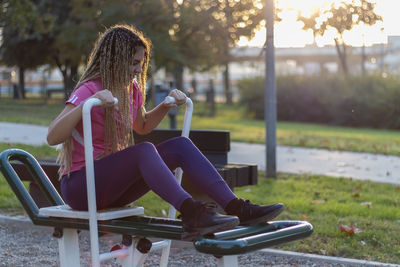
(361,101)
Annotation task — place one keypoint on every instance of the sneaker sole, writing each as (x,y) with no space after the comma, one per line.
(265,218)
(191,235)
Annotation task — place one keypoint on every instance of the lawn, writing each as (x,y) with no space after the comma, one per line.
(33,110)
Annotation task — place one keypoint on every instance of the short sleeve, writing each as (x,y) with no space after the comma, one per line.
(82,93)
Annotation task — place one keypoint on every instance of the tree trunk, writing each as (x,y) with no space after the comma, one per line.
(178,76)
(227,85)
(211,98)
(21,87)
(70,77)
(342,56)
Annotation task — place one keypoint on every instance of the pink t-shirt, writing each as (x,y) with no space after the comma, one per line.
(83,92)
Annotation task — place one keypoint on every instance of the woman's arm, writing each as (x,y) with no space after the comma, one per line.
(145,122)
(61,128)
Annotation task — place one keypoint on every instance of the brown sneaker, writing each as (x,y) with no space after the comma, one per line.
(250,213)
(205,220)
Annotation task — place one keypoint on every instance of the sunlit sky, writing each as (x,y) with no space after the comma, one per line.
(289,33)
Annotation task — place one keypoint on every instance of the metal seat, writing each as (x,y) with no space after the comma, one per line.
(66,211)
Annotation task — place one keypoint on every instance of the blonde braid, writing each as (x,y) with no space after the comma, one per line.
(110,59)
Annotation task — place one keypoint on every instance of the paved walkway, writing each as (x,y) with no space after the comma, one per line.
(363,166)
(378,168)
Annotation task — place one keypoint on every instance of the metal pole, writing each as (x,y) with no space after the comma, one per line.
(270,91)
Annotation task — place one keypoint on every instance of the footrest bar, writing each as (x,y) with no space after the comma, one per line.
(284,232)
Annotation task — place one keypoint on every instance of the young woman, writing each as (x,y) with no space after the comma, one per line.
(124,171)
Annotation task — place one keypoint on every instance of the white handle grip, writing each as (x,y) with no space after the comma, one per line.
(169,100)
(97,102)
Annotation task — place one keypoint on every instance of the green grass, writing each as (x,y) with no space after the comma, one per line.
(242,129)
(326,202)
(33,110)
(43,151)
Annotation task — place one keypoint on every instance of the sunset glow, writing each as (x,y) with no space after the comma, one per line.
(289,33)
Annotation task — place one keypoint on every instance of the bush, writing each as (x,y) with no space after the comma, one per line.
(361,101)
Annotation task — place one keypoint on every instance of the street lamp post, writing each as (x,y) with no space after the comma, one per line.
(270,91)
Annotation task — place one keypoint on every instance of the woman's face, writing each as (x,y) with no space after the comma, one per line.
(136,66)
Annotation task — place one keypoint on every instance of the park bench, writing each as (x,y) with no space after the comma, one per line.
(129,222)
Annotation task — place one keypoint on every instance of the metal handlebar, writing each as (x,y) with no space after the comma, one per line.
(188,114)
(91,193)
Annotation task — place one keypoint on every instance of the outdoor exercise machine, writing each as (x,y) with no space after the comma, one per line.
(134,227)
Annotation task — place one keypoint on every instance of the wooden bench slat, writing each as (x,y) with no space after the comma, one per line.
(205,140)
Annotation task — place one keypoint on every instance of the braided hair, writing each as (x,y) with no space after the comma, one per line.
(110,59)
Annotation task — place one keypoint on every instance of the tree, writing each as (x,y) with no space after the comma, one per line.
(80,21)
(341,17)
(205,31)
(190,36)
(232,19)
(75,28)
(22,33)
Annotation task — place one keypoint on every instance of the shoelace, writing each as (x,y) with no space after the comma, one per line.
(204,207)
(207,207)
(248,207)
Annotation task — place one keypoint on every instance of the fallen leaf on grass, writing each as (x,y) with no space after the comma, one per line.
(318,201)
(304,217)
(367,203)
(351,230)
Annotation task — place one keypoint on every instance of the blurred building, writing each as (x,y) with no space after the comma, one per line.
(309,60)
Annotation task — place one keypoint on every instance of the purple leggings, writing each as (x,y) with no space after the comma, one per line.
(125,176)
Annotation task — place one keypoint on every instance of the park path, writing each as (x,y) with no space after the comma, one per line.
(362,166)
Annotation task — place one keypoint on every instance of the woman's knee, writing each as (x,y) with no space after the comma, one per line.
(142,149)
(181,141)
(146,147)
